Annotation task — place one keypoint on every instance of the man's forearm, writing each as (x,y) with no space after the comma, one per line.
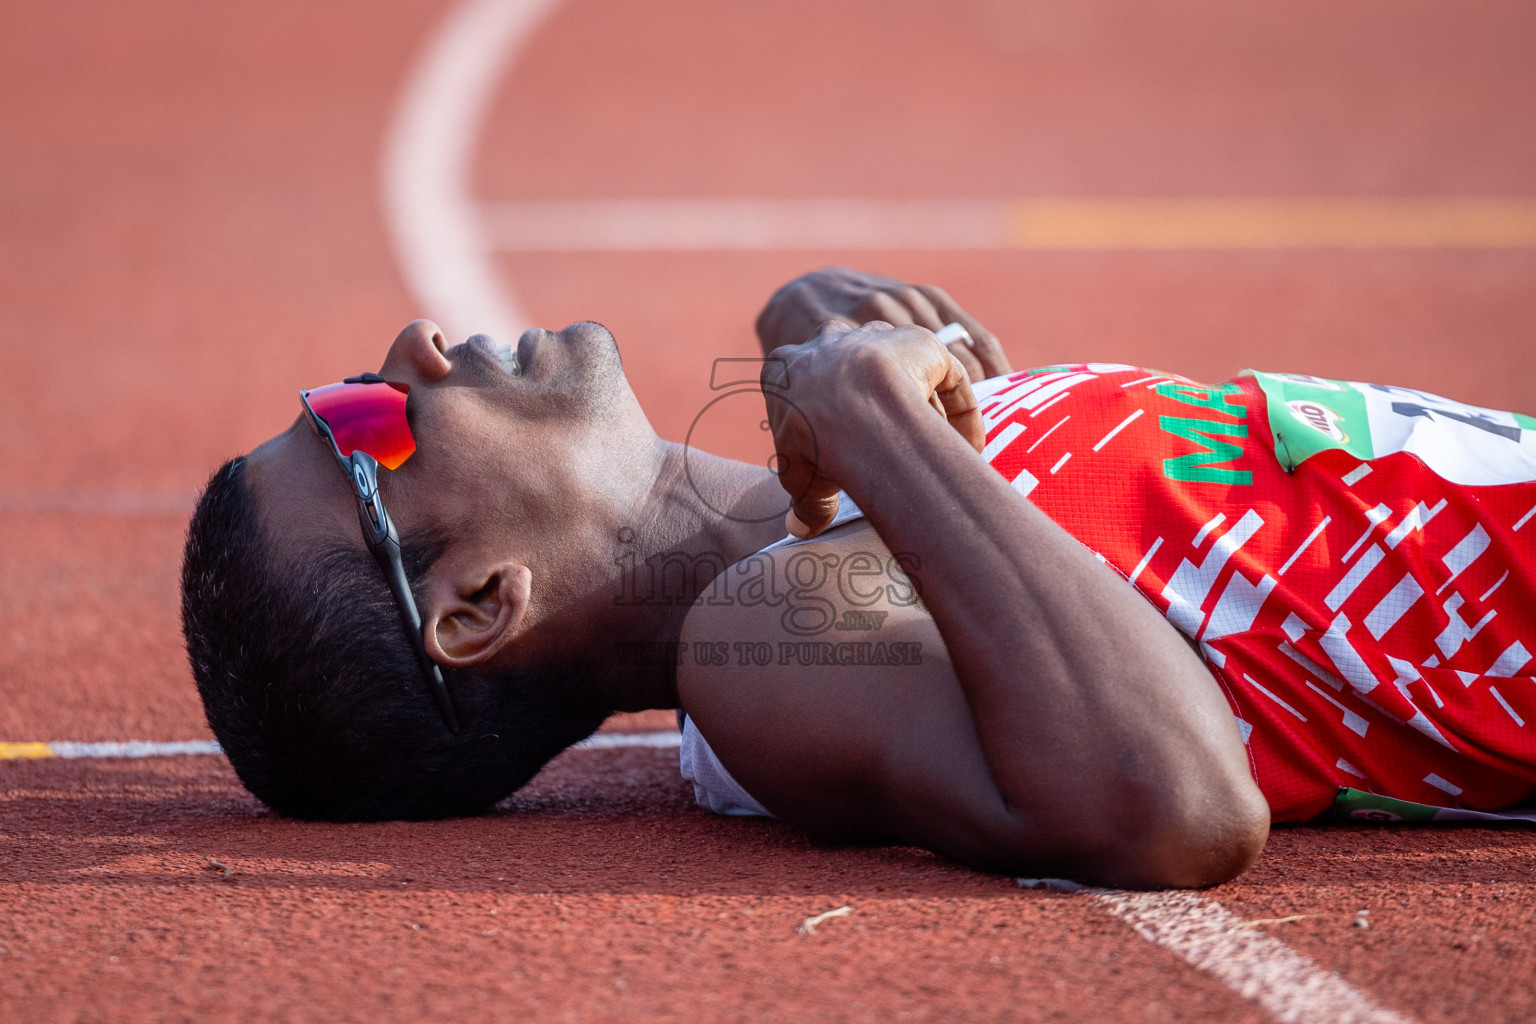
(1089,707)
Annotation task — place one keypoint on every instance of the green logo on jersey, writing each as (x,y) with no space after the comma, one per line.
(1207,463)
(1308,415)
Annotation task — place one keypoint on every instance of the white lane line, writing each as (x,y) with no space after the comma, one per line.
(136,748)
(1292,987)
(611,740)
(128,748)
(106,503)
(443,239)
(756,223)
(713,225)
(187,748)
(428,158)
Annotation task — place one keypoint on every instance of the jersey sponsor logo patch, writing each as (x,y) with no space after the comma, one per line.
(1319,417)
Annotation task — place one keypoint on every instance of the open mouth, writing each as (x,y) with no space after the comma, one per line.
(506,355)
(503,354)
(513,359)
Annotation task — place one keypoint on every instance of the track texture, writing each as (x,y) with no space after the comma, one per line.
(191,231)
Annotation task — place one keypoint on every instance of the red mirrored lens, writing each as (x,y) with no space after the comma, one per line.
(367,417)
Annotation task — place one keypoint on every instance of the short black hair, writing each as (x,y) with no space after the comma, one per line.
(313,690)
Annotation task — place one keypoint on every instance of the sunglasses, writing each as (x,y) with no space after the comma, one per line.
(363,420)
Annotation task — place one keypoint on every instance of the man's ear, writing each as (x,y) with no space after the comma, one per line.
(470,619)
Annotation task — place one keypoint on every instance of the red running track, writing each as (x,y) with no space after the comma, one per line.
(192,229)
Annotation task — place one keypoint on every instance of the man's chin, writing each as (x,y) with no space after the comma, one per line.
(590,333)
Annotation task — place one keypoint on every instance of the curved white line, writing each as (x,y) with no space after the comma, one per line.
(429,157)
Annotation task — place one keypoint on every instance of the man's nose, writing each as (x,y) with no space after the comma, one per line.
(419,353)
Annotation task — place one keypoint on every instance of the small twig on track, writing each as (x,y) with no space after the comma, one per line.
(1260,921)
(808,926)
(218,865)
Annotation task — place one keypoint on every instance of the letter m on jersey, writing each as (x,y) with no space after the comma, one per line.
(1208,464)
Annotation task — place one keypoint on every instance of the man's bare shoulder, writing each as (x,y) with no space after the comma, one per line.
(814,671)
(843,585)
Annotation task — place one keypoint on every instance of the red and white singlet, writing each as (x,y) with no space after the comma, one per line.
(1356,562)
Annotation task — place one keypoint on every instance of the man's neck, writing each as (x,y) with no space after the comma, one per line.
(701,515)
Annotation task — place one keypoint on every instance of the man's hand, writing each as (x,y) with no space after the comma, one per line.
(797,311)
(831,398)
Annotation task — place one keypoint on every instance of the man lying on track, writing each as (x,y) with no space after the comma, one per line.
(1331,590)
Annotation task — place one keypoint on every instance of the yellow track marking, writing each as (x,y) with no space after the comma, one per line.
(24,751)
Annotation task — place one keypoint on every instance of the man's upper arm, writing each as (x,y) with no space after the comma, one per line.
(850,733)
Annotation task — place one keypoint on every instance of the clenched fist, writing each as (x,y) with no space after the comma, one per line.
(838,396)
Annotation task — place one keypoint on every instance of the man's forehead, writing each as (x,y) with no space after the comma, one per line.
(303,497)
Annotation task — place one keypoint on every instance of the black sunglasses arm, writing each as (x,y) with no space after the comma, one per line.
(384,543)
